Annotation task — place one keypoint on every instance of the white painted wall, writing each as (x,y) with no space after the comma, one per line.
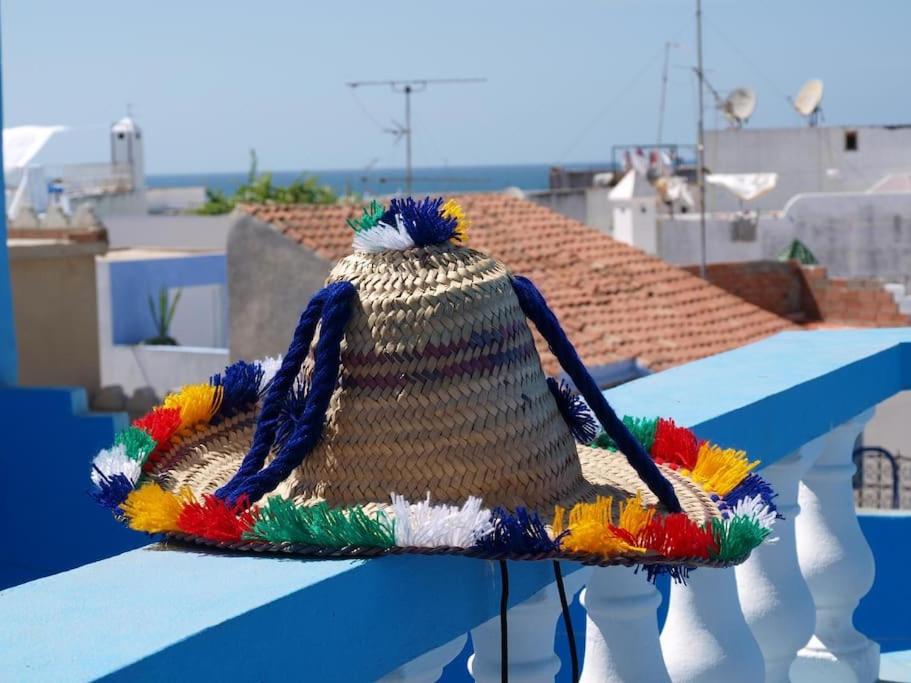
(854,234)
(199,317)
(175,232)
(806,159)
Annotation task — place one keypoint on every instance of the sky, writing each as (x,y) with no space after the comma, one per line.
(208,80)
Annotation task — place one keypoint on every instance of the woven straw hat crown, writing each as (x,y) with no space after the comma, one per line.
(441,390)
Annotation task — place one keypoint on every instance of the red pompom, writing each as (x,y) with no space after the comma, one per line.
(675,446)
(214,520)
(161,424)
(676,536)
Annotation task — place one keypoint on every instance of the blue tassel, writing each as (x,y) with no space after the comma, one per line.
(519,533)
(290,415)
(308,429)
(423,220)
(535,308)
(240,388)
(575,411)
(752,485)
(276,392)
(111,491)
(678,573)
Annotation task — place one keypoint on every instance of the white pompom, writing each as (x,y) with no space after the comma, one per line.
(428,526)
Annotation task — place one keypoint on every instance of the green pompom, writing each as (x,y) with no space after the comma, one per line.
(737,537)
(643,428)
(371,216)
(137,443)
(281,521)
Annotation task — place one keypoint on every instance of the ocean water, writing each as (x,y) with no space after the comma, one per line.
(388,180)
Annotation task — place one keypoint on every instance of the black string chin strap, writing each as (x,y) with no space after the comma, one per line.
(504,629)
(567,622)
(504,625)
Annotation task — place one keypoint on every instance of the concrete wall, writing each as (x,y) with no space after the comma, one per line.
(173,232)
(270,281)
(56,314)
(853,234)
(678,240)
(807,159)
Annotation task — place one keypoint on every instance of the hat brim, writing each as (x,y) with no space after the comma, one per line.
(610,518)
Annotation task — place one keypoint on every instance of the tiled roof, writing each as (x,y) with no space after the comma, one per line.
(615,302)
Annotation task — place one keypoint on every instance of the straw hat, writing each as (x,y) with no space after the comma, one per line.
(411,415)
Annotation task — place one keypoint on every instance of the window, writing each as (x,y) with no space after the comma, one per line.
(850,140)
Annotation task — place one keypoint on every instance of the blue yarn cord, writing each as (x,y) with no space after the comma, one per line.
(535,308)
(281,384)
(335,313)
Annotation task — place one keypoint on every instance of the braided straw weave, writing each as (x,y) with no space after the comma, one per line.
(441,391)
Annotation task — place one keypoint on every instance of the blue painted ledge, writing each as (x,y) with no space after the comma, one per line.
(771,397)
(145,614)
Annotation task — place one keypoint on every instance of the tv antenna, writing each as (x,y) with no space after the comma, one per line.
(407,88)
(667,55)
(808,102)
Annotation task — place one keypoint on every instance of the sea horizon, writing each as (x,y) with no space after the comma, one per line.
(426,179)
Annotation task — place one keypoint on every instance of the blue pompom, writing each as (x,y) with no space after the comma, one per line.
(575,411)
(422,219)
(240,387)
(521,533)
(752,485)
(111,491)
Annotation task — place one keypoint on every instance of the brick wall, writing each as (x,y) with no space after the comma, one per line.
(807,294)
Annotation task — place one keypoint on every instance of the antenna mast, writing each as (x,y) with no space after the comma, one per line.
(407,87)
(667,54)
(700,168)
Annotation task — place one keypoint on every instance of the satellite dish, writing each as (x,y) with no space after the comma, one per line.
(739,106)
(808,101)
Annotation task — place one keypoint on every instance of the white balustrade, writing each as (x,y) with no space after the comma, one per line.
(784,615)
(705,638)
(837,564)
(621,638)
(774,596)
(429,666)
(530,636)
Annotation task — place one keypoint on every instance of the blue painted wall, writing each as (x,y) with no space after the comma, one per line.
(133,281)
(46,516)
(884,614)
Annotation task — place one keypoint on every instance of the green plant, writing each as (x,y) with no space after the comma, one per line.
(162,316)
(259,189)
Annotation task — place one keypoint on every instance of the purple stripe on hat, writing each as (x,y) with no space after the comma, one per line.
(466,367)
(501,336)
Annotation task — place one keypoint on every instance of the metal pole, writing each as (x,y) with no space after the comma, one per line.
(700,176)
(408,175)
(667,54)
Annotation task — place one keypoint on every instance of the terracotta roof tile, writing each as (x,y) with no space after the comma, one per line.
(614,301)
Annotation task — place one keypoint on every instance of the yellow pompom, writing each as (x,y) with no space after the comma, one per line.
(150,508)
(720,470)
(590,529)
(197,403)
(452,209)
(634,516)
